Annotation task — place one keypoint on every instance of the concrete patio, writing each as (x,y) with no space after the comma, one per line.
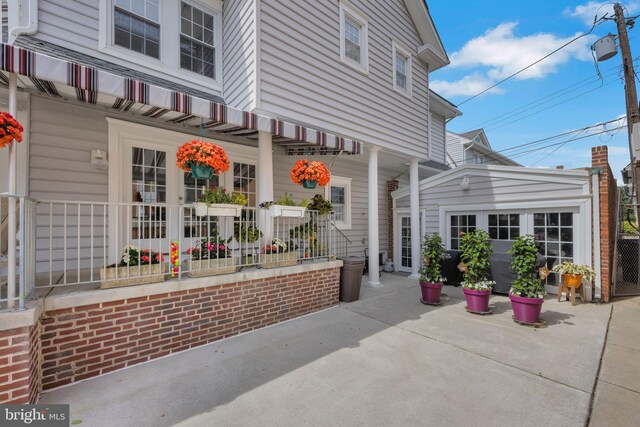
(384,360)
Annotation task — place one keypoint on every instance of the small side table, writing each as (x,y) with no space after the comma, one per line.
(570,292)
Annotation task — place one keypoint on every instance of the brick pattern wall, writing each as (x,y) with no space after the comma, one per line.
(391,187)
(19,365)
(608,193)
(87,341)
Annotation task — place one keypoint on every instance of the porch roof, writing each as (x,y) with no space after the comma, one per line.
(92,84)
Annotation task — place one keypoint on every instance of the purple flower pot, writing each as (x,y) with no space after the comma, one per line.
(431,292)
(477,301)
(526,310)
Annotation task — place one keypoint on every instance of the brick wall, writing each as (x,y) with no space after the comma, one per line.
(90,340)
(391,187)
(608,193)
(20,365)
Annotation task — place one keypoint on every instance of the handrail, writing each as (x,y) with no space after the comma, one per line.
(340,231)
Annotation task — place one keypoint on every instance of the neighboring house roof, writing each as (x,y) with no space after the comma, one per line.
(432,51)
(442,106)
(477,141)
(576,176)
(69,55)
(479,134)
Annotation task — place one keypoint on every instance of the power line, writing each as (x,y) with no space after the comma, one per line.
(595,22)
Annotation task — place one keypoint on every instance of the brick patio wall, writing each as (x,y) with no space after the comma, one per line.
(391,187)
(91,340)
(608,191)
(20,371)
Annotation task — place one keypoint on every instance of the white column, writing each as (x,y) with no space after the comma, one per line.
(13,184)
(414,204)
(374,232)
(265,182)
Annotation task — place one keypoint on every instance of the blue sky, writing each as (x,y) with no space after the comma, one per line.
(488,41)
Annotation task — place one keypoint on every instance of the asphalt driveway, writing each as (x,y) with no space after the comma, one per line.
(384,360)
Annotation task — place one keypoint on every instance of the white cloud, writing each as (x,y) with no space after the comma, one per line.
(586,12)
(501,53)
(467,86)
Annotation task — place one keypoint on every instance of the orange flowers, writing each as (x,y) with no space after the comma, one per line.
(304,170)
(10,129)
(203,153)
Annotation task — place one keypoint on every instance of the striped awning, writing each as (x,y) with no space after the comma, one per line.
(61,78)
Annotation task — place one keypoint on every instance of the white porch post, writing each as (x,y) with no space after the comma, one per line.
(13,185)
(374,246)
(265,181)
(414,203)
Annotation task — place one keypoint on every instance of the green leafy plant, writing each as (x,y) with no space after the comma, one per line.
(286,200)
(476,250)
(210,248)
(132,257)
(524,258)
(246,233)
(432,253)
(220,195)
(320,204)
(567,267)
(307,230)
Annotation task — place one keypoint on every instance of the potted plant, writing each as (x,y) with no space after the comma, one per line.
(202,159)
(527,291)
(210,257)
(136,267)
(217,201)
(10,129)
(310,173)
(246,234)
(476,250)
(320,205)
(431,279)
(572,274)
(279,254)
(286,207)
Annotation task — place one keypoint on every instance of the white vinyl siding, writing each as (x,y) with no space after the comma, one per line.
(438,127)
(302,77)
(239,54)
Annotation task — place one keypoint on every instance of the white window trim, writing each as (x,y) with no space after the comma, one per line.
(395,49)
(169,62)
(340,181)
(348,9)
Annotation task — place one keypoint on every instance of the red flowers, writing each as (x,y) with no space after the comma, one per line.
(203,153)
(10,129)
(304,170)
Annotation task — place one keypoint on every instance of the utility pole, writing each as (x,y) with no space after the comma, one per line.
(633,112)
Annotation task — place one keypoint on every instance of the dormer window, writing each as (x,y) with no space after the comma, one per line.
(353,38)
(137,26)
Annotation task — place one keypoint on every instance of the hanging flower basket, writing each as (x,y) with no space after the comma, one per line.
(10,129)
(309,174)
(202,159)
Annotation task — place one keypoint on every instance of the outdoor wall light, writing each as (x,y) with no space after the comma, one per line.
(464,184)
(99,159)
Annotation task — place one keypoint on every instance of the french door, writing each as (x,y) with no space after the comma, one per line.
(403,230)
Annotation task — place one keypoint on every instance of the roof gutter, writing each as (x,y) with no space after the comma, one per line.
(32,23)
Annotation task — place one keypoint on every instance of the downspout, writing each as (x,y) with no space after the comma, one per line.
(595,208)
(32,23)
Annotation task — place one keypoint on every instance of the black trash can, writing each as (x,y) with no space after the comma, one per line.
(351,278)
(450,268)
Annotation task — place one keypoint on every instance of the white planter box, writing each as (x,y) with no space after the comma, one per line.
(286,259)
(287,211)
(217,209)
(115,277)
(211,267)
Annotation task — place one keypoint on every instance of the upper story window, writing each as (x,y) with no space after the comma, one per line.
(197,49)
(181,39)
(402,64)
(353,38)
(137,26)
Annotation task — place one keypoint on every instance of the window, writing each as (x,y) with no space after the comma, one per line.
(339,190)
(504,226)
(554,233)
(137,26)
(461,224)
(197,49)
(402,64)
(244,181)
(353,38)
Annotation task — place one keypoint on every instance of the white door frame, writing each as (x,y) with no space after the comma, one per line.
(397,245)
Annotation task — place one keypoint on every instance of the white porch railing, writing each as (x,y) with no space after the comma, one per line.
(64,243)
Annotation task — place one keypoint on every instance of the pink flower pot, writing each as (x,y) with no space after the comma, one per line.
(477,301)
(526,310)
(431,292)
